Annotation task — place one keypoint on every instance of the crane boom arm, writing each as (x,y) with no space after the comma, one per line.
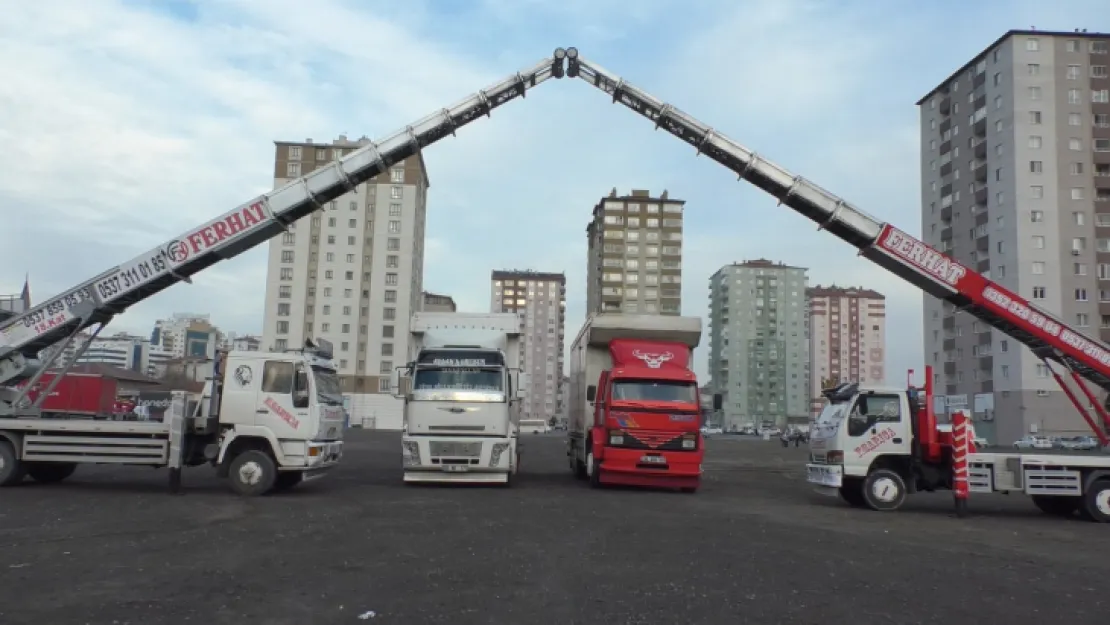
(244,227)
(895,250)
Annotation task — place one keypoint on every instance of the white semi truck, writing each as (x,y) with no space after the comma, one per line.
(265,421)
(462,392)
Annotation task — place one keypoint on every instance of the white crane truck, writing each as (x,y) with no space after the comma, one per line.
(462,392)
(265,421)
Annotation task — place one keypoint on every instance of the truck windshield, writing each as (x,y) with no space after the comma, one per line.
(655,390)
(327,387)
(832,413)
(487,379)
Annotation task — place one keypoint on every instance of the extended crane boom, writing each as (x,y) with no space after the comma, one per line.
(97,300)
(882,243)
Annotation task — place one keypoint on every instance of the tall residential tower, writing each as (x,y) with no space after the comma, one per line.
(541,301)
(1015,170)
(635,254)
(758,348)
(847,338)
(352,274)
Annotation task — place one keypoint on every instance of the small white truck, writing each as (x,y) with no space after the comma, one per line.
(461,393)
(874,446)
(265,421)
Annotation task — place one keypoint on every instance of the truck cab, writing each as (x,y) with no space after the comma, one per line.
(461,396)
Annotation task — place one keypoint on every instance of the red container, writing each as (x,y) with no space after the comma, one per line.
(77,393)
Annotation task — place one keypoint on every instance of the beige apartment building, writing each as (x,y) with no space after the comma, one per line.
(1015,171)
(434,302)
(635,254)
(847,338)
(352,274)
(541,301)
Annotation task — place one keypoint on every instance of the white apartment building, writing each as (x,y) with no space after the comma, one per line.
(187,335)
(541,300)
(847,338)
(351,274)
(1015,170)
(121,350)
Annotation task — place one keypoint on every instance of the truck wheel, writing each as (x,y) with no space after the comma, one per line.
(287,480)
(50,472)
(852,493)
(593,470)
(1057,505)
(1096,502)
(252,473)
(11,468)
(884,490)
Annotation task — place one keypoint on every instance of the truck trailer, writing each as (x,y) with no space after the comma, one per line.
(265,421)
(634,414)
(462,395)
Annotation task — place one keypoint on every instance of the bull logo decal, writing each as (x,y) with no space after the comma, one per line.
(243,375)
(653,361)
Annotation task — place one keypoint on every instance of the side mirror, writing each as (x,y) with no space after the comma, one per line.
(522,382)
(300,399)
(591,393)
(397,381)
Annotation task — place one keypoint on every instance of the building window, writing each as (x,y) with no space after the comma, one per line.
(293,170)
(285,291)
(288,238)
(391,279)
(286,273)
(390,296)
(396,192)
(283,327)
(1035,142)
(1082,320)
(394,210)
(387,332)
(1036,167)
(392,261)
(1033,44)
(1038,268)
(393,244)
(283,309)
(387,349)
(1034,117)
(287,256)
(1034,93)
(389,314)
(1075,144)
(397,174)
(383,385)
(1038,292)
(394,226)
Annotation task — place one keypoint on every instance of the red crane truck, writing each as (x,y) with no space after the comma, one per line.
(634,415)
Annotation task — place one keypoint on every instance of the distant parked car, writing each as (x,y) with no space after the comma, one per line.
(1033,442)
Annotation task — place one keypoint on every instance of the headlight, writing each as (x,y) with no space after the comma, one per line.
(689,443)
(410,453)
(616,439)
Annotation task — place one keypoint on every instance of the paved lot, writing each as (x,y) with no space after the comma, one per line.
(755,546)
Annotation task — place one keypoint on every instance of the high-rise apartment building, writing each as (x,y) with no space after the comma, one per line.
(1015,170)
(758,347)
(352,274)
(187,335)
(434,302)
(635,254)
(541,300)
(847,338)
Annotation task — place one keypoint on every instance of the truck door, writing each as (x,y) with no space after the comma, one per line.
(877,425)
(601,398)
(281,405)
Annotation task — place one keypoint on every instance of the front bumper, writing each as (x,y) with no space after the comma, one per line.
(458,459)
(825,475)
(323,455)
(630,467)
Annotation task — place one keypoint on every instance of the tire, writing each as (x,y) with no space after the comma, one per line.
(884,490)
(12,469)
(578,466)
(851,491)
(593,469)
(1057,505)
(287,480)
(50,472)
(252,473)
(1096,502)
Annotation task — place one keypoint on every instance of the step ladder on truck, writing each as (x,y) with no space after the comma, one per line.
(265,421)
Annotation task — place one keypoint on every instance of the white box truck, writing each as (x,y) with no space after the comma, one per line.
(462,393)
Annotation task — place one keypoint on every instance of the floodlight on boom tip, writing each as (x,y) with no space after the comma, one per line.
(561,54)
(572,53)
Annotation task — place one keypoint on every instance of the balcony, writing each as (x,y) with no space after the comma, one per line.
(946,214)
(949,345)
(946,234)
(979,170)
(945,105)
(983,266)
(983,243)
(979,190)
(979,147)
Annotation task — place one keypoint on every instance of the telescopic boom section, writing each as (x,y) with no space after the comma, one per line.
(882,243)
(246,226)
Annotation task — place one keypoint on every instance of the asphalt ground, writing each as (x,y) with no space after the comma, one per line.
(754,546)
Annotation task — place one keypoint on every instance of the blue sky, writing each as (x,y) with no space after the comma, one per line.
(126,123)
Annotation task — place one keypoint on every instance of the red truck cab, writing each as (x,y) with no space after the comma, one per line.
(647,417)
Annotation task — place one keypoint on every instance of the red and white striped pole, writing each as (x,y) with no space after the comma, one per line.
(960,421)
